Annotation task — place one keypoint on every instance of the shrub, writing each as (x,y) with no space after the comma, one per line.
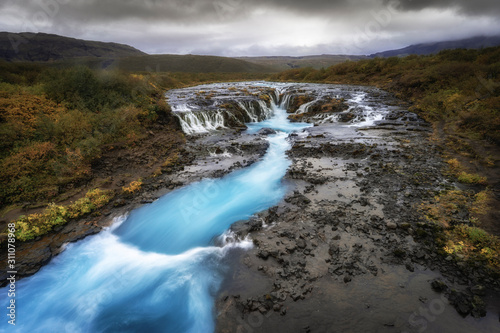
(133,187)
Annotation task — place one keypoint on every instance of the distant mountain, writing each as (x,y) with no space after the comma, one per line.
(280,63)
(432,48)
(170,63)
(62,51)
(42,47)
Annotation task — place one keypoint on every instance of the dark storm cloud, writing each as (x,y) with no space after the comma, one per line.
(110,10)
(193,11)
(470,7)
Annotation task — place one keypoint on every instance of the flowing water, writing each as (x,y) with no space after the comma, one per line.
(158,269)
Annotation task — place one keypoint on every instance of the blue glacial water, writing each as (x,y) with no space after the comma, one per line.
(158,269)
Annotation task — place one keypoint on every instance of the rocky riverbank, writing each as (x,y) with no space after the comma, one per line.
(349,249)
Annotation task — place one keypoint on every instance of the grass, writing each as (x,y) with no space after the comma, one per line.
(458,171)
(473,244)
(463,238)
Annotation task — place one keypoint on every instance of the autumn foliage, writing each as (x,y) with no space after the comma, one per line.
(54,123)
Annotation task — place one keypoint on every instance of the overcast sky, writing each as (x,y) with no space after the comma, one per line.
(256,27)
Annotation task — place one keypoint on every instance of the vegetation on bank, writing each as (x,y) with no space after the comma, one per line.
(463,241)
(56,123)
(459,92)
(35,225)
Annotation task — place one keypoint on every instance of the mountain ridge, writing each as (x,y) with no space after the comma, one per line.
(42,47)
(477,42)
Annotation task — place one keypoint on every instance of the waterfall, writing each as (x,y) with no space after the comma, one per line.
(286,101)
(304,108)
(198,121)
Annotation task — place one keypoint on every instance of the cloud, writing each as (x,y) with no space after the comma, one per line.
(255,27)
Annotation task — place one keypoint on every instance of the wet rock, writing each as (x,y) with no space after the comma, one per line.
(334,249)
(479,290)
(263,254)
(266,131)
(439,285)
(262,309)
(346,117)
(120,202)
(391,225)
(301,243)
(298,199)
(336,236)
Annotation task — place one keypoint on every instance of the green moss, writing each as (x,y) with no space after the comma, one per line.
(35,225)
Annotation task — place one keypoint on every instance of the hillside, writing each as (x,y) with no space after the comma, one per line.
(282,63)
(65,52)
(172,63)
(42,47)
(433,48)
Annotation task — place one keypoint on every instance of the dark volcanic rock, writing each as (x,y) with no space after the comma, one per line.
(266,131)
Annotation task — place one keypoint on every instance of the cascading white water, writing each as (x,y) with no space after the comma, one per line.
(369,116)
(304,108)
(246,106)
(201,122)
(286,101)
(204,121)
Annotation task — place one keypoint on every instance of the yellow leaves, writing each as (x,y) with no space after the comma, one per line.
(473,243)
(171,160)
(454,164)
(26,160)
(441,209)
(134,186)
(22,110)
(481,202)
